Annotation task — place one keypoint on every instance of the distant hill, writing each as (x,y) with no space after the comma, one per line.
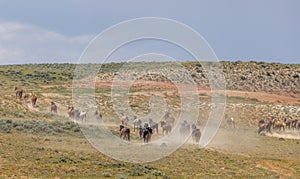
(244,76)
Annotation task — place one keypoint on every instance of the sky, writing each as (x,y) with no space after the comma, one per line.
(52,31)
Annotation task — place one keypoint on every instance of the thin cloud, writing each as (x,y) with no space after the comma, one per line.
(23,43)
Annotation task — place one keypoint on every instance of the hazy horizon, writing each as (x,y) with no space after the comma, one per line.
(268,62)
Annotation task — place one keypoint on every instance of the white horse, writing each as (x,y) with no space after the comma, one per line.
(124,120)
(82,115)
(137,123)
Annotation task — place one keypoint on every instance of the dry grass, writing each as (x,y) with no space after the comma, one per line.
(27,150)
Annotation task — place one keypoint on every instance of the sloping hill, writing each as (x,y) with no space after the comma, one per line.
(246,82)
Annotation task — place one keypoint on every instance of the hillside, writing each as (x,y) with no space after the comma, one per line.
(35,143)
(243,76)
(252,87)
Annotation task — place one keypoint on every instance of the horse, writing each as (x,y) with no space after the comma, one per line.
(230,122)
(294,123)
(53,107)
(124,119)
(153,125)
(76,114)
(98,116)
(184,129)
(136,123)
(124,132)
(141,132)
(298,125)
(19,92)
(26,96)
(278,124)
(145,133)
(166,127)
(71,111)
(169,119)
(33,99)
(82,115)
(288,123)
(262,125)
(196,134)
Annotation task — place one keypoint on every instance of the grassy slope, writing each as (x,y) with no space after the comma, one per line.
(28,152)
(65,156)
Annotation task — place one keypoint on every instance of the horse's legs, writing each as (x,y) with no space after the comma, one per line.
(147,137)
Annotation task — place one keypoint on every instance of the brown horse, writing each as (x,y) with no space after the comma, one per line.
(19,92)
(53,107)
(166,127)
(124,132)
(278,124)
(288,123)
(298,125)
(196,134)
(33,99)
(26,96)
(71,111)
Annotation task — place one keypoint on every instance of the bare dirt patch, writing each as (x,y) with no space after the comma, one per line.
(282,98)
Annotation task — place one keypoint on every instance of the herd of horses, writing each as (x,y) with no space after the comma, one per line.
(82,115)
(146,130)
(278,124)
(21,94)
(72,112)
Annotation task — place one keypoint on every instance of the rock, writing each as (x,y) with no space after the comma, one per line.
(163,145)
(295,76)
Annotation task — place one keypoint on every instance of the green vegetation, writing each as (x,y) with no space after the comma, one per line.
(41,128)
(35,143)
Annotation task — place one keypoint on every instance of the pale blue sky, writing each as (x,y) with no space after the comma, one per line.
(58,31)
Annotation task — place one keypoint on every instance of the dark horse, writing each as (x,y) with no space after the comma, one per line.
(98,116)
(125,132)
(263,126)
(153,125)
(53,107)
(145,133)
(184,129)
(196,134)
(166,127)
